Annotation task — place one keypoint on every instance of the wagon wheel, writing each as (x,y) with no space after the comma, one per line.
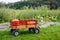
(36,30)
(31,29)
(12,30)
(15,32)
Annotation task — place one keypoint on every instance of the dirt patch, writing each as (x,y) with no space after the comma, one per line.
(4,26)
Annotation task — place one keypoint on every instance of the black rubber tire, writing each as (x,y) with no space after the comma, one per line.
(12,30)
(30,29)
(36,30)
(15,32)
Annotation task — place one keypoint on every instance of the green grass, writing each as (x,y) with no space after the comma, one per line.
(49,33)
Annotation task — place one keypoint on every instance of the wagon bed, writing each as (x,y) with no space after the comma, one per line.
(15,25)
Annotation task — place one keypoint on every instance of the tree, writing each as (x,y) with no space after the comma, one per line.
(2,4)
(34,3)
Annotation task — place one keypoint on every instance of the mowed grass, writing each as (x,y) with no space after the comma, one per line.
(49,33)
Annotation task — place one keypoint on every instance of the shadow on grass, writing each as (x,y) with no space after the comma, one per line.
(8,33)
(26,32)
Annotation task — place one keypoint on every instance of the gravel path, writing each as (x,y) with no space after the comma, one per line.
(48,24)
(5,26)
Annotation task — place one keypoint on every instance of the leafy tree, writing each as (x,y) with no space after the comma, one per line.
(2,4)
(34,3)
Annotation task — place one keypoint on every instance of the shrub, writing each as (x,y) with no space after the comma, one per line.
(8,14)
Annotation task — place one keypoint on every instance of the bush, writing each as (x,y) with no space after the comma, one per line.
(8,14)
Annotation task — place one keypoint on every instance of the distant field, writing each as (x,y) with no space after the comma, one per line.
(7,15)
(49,33)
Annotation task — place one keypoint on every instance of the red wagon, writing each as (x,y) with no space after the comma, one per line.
(15,25)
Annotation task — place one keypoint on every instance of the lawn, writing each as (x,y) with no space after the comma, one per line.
(49,33)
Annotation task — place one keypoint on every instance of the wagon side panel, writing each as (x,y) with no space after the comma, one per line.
(31,23)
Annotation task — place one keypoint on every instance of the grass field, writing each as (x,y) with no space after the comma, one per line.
(49,33)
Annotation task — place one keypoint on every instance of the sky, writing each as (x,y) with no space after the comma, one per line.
(9,1)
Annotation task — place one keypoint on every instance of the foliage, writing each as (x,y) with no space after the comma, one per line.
(54,4)
(7,15)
